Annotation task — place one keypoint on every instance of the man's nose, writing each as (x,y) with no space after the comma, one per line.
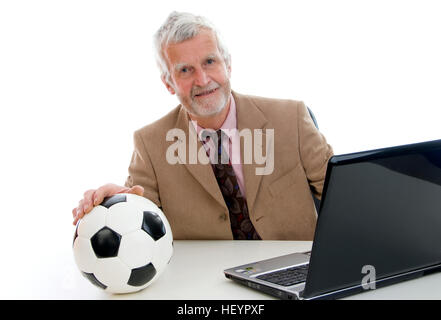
(201,78)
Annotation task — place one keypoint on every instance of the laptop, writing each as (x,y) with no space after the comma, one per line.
(379,223)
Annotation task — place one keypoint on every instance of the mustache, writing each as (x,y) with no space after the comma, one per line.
(199,90)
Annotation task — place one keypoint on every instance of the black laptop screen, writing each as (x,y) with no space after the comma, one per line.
(381,209)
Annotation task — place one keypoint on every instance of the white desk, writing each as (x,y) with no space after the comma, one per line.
(195,272)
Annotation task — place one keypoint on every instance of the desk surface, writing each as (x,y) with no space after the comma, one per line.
(195,272)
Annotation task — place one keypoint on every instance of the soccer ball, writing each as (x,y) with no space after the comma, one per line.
(123,244)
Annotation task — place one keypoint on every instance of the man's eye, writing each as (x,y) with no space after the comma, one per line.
(210,61)
(184,70)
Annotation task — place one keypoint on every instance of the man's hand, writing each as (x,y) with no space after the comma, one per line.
(94,197)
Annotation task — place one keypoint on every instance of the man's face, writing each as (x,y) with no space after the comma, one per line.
(199,75)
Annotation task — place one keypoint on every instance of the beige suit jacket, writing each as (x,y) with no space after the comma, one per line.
(280,204)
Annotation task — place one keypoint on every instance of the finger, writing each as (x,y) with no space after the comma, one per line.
(76,218)
(139,190)
(77,208)
(87,201)
(75,221)
(105,191)
(80,210)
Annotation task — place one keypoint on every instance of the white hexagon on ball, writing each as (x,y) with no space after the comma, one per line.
(117,220)
(136,249)
(84,255)
(91,223)
(113,273)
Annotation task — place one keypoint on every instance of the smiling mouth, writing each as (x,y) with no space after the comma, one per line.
(205,93)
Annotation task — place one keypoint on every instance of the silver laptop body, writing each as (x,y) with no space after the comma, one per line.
(248,275)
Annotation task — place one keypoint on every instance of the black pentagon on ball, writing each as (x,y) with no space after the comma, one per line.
(153,225)
(140,276)
(91,277)
(110,201)
(105,243)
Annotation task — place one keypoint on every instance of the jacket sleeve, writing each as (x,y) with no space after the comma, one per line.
(315,152)
(141,171)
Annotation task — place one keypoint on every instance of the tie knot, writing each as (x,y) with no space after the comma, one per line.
(218,137)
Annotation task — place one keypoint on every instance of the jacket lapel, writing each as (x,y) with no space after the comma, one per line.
(249,117)
(203,173)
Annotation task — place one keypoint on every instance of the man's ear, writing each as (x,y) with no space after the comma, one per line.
(168,85)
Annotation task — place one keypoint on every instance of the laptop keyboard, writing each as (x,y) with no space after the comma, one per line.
(286,277)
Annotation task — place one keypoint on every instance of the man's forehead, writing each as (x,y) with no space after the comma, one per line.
(202,46)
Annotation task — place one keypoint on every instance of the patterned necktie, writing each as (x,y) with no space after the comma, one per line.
(241,225)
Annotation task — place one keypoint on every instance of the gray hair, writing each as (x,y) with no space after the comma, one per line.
(181,26)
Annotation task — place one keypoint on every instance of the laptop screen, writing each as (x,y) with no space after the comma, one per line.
(380,209)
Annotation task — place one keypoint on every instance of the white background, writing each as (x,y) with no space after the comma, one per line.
(78,77)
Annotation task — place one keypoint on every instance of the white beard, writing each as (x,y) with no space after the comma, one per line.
(210,106)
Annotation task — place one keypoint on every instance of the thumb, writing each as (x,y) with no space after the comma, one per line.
(138,190)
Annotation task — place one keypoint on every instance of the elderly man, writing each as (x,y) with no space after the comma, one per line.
(241,194)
